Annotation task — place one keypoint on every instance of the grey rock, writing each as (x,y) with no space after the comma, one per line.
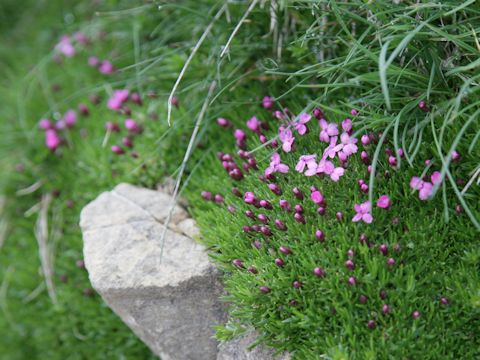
(172,304)
(170,301)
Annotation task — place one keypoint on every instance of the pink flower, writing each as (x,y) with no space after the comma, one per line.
(328,130)
(249,197)
(276,165)
(425,191)
(93,61)
(436,177)
(52,140)
(240,135)
(70,118)
(416,183)
(286,137)
(106,67)
(116,101)
(347,125)
(384,202)
(253,124)
(278,115)
(131,125)
(317,197)
(363,212)
(65,46)
(300,123)
(267,102)
(349,144)
(45,124)
(337,173)
(304,161)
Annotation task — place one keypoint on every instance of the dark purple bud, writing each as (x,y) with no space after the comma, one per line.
(318,113)
(252,269)
(245,167)
(136,98)
(238,263)
(264,289)
(371,324)
(416,314)
(256,228)
(274,144)
(293,302)
(117,150)
(349,265)
(127,141)
(263,218)
(365,158)
(126,110)
(388,151)
(88,292)
(396,248)
(298,208)
(231,209)
(175,102)
(279,262)
(455,156)
(444,301)
(298,193)
(386,309)
(386,174)
(280,225)
(423,106)
(270,177)
(94,99)
(275,189)
(266,204)
(321,210)
(227,158)
(250,214)
(313,188)
(224,122)
(257,244)
(339,216)
(80,264)
(352,281)
(350,253)
(390,262)
(320,235)
(247,229)
(458,209)
(83,109)
(319,272)
(236,174)
(207,195)
(285,205)
(361,182)
(383,294)
(219,199)
(383,248)
(392,160)
(299,218)
(364,188)
(362,299)
(285,250)
(252,163)
(236,192)
(266,230)
(297,284)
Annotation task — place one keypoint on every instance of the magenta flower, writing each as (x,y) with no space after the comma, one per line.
(347,126)
(317,197)
(304,161)
(116,101)
(327,167)
(253,124)
(300,123)
(328,130)
(70,118)
(131,125)
(363,212)
(52,140)
(106,67)
(224,122)
(45,124)
(93,61)
(249,197)
(286,137)
(240,135)
(354,112)
(65,47)
(276,165)
(267,102)
(384,202)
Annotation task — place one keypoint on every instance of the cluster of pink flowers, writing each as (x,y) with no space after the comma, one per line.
(53,130)
(68,46)
(424,187)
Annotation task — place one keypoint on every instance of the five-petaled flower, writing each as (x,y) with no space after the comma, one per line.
(363,212)
(276,165)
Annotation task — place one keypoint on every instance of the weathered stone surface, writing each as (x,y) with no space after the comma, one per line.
(172,301)
(171,305)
